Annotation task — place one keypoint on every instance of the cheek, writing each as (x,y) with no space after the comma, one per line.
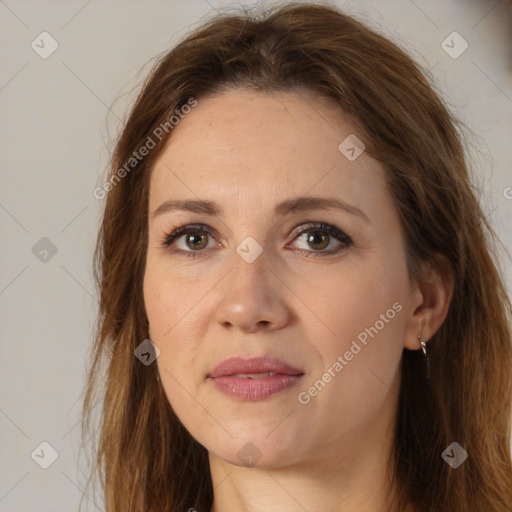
(167,300)
(173,308)
(355,300)
(364,312)
(176,339)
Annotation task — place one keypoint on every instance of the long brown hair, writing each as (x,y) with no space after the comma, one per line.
(145,459)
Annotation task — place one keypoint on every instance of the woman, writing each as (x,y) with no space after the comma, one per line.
(299,306)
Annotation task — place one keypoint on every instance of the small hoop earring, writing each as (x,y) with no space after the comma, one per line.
(423,344)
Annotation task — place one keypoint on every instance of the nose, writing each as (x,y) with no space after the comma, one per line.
(252,297)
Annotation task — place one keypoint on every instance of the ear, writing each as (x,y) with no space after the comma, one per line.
(429,303)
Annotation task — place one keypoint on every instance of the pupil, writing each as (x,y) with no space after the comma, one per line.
(313,239)
(192,237)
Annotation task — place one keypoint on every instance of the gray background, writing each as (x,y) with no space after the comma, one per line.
(56,134)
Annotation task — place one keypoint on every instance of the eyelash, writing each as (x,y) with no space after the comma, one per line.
(321,227)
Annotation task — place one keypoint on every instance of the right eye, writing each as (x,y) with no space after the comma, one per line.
(195,235)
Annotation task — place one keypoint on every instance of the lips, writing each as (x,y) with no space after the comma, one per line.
(253,368)
(253,379)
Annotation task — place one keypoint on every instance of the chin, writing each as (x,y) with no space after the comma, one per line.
(254,451)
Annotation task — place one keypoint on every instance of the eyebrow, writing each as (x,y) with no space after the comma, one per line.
(290,206)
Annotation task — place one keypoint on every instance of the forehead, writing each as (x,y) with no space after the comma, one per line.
(253,147)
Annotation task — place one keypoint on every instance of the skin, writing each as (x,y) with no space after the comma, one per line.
(248,151)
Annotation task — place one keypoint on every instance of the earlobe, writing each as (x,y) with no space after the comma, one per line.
(432,302)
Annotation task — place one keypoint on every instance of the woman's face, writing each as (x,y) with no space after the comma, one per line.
(332,305)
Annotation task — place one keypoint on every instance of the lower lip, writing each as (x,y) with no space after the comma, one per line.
(254,389)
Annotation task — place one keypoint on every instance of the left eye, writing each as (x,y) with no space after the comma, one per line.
(316,235)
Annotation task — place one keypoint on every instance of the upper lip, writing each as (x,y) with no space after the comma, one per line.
(235,365)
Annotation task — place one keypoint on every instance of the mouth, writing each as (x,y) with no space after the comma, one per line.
(255,378)
(254,375)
